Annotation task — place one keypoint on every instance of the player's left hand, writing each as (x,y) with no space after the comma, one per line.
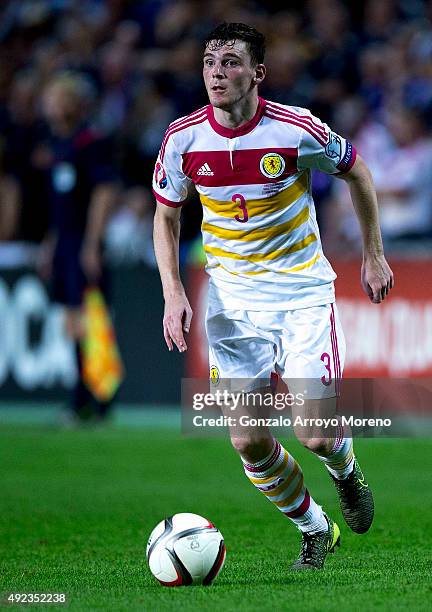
(376,278)
(91,262)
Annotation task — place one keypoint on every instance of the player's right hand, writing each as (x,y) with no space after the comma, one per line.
(177,319)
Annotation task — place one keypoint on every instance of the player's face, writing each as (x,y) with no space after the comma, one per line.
(228,74)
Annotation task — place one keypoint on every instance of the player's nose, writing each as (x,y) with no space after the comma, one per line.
(217,70)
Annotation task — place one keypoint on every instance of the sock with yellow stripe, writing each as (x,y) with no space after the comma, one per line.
(280,478)
(340,461)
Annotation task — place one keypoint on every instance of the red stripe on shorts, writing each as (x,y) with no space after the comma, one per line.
(335,348)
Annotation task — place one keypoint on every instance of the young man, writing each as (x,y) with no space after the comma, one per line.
(271,295)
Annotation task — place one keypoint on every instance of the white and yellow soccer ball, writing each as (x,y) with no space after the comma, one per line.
(185,549)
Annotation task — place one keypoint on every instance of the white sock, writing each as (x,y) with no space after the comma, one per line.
(340,461)
(280,478)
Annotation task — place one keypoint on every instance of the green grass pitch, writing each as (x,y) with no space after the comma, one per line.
(76,509)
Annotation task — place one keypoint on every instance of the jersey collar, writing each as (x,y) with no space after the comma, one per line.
(242,129)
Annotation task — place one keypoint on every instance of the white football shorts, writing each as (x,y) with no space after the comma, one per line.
(305,347)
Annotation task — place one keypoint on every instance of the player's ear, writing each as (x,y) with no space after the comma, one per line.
(260,72)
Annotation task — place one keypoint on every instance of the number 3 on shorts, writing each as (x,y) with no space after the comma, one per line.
(325,358)
(241,203)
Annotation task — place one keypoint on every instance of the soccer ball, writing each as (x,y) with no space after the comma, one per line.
(185,549)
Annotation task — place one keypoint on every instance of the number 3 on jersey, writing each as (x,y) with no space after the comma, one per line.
(241,203)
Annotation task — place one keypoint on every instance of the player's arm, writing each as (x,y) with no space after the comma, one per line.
(178,313)
(325,150)
(101,205)
(376,275)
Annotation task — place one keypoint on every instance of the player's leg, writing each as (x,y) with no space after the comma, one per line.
(238,351)
(333,444)
(81,397)
(269,466)
(83,403)
(253,443)
(68,286)
(334,447)
(318,366)
(275,473)
(66,289)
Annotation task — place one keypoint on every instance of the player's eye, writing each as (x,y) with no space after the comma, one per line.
(208,62)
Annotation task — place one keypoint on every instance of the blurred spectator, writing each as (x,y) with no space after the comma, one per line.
(175,20)
(150,114)
(114,74)
(373,67)
(24,157)
(81,194)
(380,23)
(286,80)
(399,155)
(334,54)
(404,188)
(9,203)
(186,76)
(129,235)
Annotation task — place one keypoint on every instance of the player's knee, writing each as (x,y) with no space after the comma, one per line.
(316,445)
(241,444)
(253,449)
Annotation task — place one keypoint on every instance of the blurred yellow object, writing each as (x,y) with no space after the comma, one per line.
(103,369)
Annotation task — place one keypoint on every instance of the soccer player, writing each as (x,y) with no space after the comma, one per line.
(271,295)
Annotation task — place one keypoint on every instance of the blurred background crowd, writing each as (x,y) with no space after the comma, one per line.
(365,68)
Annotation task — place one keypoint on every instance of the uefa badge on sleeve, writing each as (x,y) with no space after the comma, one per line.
(160,176)
(334,147)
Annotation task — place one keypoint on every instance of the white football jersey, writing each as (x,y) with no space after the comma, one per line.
(259,228)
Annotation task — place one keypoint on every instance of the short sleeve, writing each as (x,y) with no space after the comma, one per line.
(322,149)
(170,184)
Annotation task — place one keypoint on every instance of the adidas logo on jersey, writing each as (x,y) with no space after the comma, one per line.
(205,170)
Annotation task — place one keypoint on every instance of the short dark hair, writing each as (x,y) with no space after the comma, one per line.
(228,32)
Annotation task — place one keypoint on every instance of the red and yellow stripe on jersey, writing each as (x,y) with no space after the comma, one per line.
(254,182)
